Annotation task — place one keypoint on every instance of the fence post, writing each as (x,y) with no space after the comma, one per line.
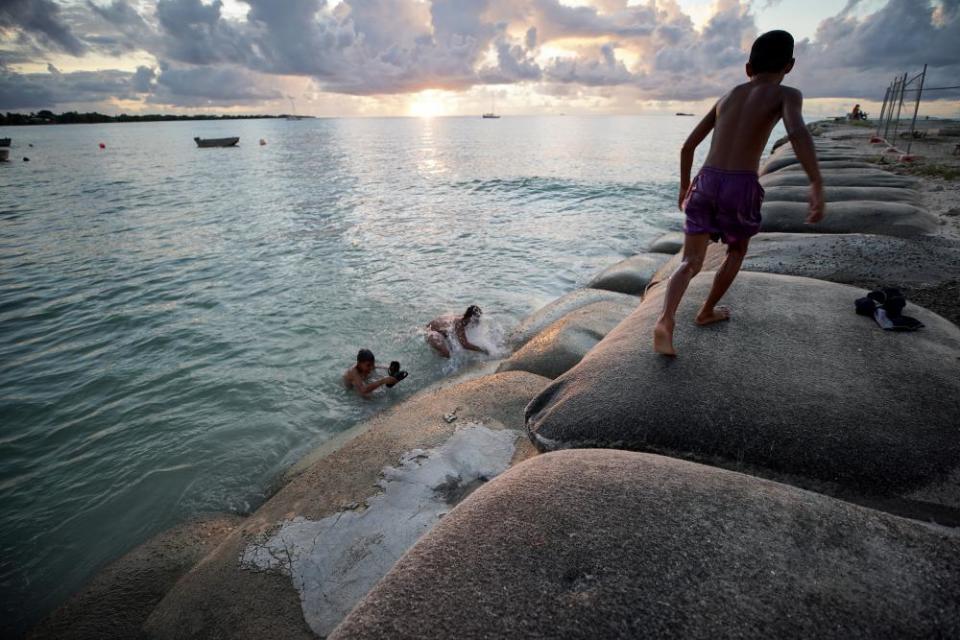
(883,110)
(893,96)
(916,107)
(896,125)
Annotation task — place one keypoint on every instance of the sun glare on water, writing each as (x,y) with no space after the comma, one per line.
(427,104)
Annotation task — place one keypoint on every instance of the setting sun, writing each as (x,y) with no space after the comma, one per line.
(427,104)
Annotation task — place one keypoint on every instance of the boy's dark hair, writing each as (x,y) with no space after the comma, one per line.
(771,52)
(471,312)
(365,355)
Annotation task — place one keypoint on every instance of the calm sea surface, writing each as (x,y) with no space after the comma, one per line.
(174,320)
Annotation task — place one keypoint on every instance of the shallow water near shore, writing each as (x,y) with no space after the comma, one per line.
(174,320)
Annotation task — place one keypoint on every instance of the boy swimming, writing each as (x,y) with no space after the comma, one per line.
(443,330)
(356,376)
(723,201)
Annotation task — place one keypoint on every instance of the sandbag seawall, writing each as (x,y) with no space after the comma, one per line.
(839,442)
(796,388)
(349,510)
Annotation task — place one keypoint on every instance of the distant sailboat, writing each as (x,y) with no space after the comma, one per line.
(492,114)
(293,111)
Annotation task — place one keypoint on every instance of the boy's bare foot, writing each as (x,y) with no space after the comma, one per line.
(709,316)
(663,339)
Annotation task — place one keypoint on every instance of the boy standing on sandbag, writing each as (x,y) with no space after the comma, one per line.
(723,201)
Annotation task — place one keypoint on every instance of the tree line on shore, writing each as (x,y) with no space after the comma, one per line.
(73,117)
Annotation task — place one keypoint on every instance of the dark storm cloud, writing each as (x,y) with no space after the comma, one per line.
(46,90)
(859,57)
(117,12)
(143,80)
(196,33)
(602,71)
(374,47)
(41,20)
(556,20)
(207,86)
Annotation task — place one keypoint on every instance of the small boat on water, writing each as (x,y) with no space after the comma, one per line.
(681,113)
(492,114)
(4,142)
(204,143)
(4,155)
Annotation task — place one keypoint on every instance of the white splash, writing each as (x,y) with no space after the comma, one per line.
(335,561)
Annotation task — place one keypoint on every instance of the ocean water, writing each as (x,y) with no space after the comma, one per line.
(174,321)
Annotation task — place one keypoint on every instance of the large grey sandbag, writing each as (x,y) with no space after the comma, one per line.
(848,258)
(613,544)
(840,178)
(667,243)
(831,165)
(826,161)
(820,144)
(795,383)
(564,343)
(223,597)
(843,194)
(629,276)
(852,216)
(118,599)
(550,313)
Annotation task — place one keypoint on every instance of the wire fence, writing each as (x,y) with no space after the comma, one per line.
(893,101)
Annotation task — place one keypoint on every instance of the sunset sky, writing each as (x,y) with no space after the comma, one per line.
(457,57)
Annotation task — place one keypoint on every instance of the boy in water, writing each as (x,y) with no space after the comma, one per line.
(356,376)
(440,329)
(723,202)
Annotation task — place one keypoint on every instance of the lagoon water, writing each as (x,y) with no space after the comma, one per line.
(174,320)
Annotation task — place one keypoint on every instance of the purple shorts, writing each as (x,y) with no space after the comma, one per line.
(725,204)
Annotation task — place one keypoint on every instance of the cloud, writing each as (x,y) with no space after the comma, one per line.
(40,19)
(603,70)
(196,33)
(45,90)
(143,79)
(650,50)
(859,57)
(205,86)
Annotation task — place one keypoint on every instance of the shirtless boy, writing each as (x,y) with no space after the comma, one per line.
(723,201)
(440,330)
(356,376)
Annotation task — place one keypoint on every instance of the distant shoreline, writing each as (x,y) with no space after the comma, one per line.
(72,117)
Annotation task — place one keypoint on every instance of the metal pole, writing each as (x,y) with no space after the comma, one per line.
(893,96)
(883,110)
(916,107)
(896,125)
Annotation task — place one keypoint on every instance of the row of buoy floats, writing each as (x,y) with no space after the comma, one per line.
(104,146)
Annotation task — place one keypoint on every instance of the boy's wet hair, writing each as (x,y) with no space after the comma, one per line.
(771,52)
(365,355)
(473,311)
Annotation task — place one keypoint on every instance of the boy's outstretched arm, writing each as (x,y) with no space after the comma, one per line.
(802,143)
(686,152)
(365,389)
